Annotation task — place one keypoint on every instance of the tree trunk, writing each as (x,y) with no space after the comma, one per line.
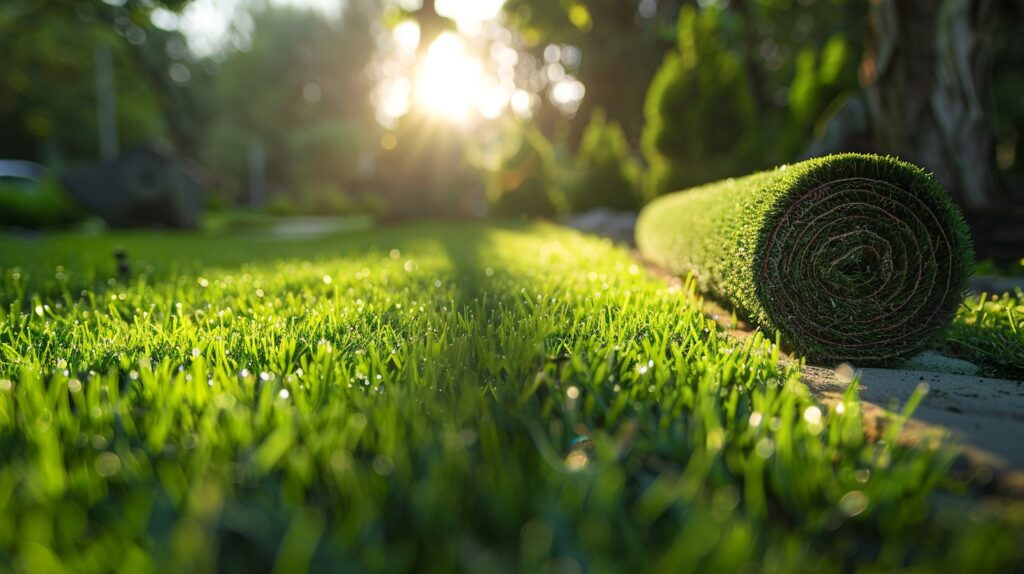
(927,79)
(431,26)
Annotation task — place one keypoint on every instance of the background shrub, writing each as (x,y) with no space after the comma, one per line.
(700,110)
(606,175)
(37,206)
(524,183)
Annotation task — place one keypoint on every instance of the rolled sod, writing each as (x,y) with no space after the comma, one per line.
(850,257)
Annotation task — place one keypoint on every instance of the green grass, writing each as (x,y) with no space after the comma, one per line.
(851,257)
(431,398)
(989,330)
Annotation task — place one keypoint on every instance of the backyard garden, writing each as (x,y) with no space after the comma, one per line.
(511,286)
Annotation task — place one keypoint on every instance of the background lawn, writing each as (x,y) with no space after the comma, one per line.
(435,397)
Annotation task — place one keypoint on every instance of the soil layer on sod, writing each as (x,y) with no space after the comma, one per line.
(850,257)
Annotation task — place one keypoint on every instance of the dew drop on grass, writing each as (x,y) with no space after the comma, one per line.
(853,503)
(812,415)
(340,460)
(577,460)
(224,401)
(715,440)
(107,464)
(765,448)
(845,373)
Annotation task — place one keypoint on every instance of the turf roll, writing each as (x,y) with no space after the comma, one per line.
(850,257)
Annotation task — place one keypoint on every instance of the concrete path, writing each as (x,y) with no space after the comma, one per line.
(982,418)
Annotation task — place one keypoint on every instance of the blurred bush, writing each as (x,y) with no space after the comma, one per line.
(48,85)
(747,88)
(40,205)
(1001,269)
(605,173)
(525,183)
(298,93)
(323,199)
(325,152)
(701,112)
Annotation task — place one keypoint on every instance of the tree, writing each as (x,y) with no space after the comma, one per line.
(747,87)
(621,43)
(47,124)
(298,91)
(425,171)
(927,77)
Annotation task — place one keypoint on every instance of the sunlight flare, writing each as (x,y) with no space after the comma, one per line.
(452,83)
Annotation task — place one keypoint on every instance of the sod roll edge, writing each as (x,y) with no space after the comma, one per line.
(851,257)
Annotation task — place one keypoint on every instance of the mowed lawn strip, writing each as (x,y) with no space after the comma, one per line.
(492,398)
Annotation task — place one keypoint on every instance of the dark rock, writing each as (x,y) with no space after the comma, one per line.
(142,188)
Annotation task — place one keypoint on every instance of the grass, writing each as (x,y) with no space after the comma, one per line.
(851,257)
(989,330)
(486,398)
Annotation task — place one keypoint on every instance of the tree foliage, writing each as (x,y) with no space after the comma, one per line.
(299,92)
(701,111)
(620,46)
(747,87)
(47,86)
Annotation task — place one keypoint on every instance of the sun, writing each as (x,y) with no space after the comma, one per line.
(449,80)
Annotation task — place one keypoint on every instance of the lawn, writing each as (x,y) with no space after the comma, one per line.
(431,398)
